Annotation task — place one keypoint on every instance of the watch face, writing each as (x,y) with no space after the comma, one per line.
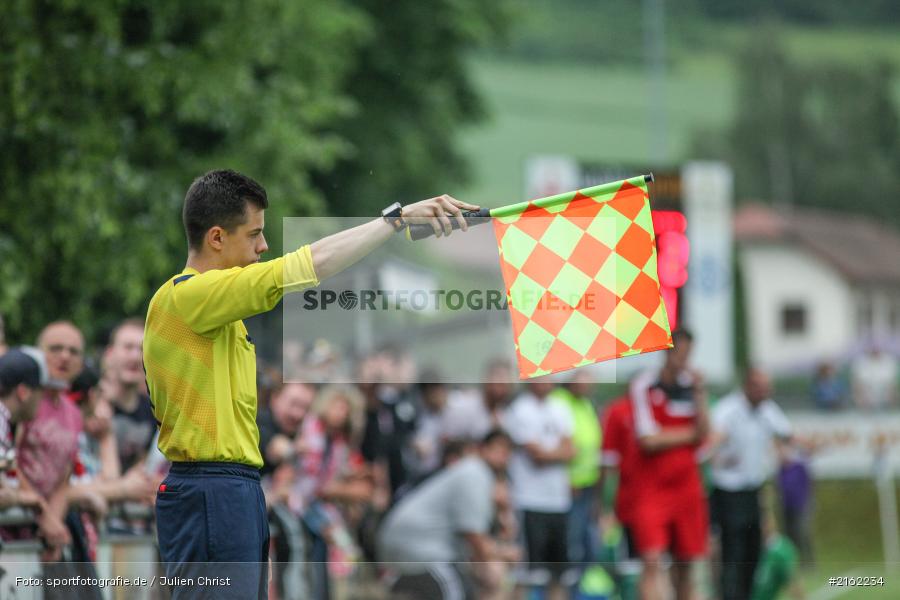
(392,214)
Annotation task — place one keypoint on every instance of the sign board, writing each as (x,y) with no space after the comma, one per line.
(851,444)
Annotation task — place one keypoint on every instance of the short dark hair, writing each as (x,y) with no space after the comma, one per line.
(454,449)
(496,434)
(219,198)
(682,335)
(429,379)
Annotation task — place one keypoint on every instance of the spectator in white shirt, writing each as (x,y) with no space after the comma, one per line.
(542,433)
(747,425)
(874,377)
(428,438)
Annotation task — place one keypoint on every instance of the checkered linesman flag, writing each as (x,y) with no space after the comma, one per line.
(581,279)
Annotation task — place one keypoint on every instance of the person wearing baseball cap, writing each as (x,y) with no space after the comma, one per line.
(47,446)
(23,373)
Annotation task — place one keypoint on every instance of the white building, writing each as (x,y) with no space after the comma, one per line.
(817,285)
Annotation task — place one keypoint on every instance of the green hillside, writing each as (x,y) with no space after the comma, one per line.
(603,112)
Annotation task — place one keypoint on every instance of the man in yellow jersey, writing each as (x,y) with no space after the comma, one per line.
(201,374)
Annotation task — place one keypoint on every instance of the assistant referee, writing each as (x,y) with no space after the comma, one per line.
(201,372)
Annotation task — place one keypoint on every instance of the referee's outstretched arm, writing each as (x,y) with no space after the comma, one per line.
(216,297)
(336,252)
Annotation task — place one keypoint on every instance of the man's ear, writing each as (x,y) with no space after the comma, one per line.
(215,237)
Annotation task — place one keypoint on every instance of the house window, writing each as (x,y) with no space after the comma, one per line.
(793,319)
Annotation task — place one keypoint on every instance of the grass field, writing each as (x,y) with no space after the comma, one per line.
(847,540)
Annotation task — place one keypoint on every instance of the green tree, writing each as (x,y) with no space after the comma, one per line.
(824,135)
(412,91)
(818,12)
(108,110)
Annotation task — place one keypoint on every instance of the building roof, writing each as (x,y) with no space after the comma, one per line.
(861,249)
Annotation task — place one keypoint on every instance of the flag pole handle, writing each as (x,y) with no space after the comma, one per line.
(473,217)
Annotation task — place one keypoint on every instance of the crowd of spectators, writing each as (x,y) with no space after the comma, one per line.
(72,447)
(490,490)
(869,383)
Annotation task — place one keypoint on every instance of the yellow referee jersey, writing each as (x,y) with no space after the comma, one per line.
(200,362)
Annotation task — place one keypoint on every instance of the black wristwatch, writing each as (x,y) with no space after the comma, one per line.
(393,214)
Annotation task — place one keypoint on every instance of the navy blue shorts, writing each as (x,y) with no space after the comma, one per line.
(213,531)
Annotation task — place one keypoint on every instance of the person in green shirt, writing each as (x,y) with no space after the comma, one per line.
(584,469)
(777,566)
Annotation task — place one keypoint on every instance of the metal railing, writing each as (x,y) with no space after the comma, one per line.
(127,555)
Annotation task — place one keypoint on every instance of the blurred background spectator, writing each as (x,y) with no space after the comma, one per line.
(795,488)
(431,538)
(332,483)
(829,391)
(875,379)
(3,347)
(280,422)
(47,448)
(471,414)
(584,469)
(746,426)
(98,478)
(390,409)
(281,444)
(428,438)
(777,571)
(542,433)
(23,372)
(670,415)
(123,387)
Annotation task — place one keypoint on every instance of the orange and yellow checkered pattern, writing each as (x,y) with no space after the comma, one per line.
(581,279)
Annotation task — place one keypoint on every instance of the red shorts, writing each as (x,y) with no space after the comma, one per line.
(680,526)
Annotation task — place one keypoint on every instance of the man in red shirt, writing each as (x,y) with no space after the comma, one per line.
(669,509)
(620,452)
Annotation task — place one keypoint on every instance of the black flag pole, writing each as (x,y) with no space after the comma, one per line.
(476,217)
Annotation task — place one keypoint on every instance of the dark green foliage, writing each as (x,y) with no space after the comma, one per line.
(411,86)
(108,110)
(812,12)
(825,134)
